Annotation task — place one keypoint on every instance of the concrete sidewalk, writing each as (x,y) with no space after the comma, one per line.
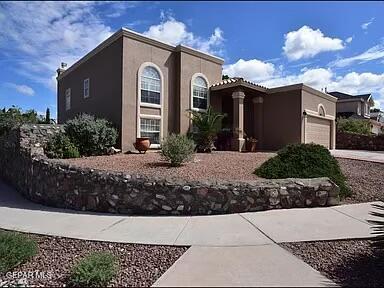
(227,250)
(245,229)
(371,156)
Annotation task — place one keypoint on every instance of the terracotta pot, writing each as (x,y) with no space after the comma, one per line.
(251,145)
(142,144)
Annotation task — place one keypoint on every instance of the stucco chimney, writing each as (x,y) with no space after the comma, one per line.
(61,69)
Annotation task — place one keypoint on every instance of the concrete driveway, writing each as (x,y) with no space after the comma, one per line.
(372,156)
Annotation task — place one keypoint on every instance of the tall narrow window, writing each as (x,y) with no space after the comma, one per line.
(150,128)
(150,86)
(86,88)
(200,93)
(68,99)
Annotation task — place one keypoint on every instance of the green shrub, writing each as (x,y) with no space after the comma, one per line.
(206,126)
(304,161)
(177,149)
(357,126)
(15,249)
(92,136)
(97,270)
(15,117)
(60,146)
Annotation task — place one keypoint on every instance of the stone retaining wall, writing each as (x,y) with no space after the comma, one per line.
(54,183)
(353,141)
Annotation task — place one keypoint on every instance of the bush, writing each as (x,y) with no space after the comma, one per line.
(357,126)
(60,146)
(91,136)
(177,149)
(15,117)
(15,249)
(304,161)
(96,269)
(206,125)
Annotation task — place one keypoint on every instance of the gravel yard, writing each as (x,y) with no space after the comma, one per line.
(217,165)
(139,265)
(365,178)
(349,263)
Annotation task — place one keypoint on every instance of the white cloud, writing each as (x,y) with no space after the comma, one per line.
(306,43)
(374,53)
(254,69)
(47,33)
(22,89)
(175,32)
(365,25)
(349,39)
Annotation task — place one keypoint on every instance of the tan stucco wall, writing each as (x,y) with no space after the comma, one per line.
(311,101)
(177,69)
(281,119)
(104,73)
(135,54)
(188,66)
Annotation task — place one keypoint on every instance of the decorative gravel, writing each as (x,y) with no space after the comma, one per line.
(350,263)
(218,165)
(365,178)
(139,265)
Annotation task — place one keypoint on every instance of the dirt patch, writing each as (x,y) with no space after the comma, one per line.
(365,178)
(214,166)
(139,265)
(350,263)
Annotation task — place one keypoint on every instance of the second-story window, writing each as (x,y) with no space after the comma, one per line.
(200,93)
(86,88)
(150,86)
(68,99)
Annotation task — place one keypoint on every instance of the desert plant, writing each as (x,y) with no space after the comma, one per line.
(357,126)
(15,249)
(92,136)
(177,149)
(97,270)
(206,126)
(378,226)
(60,146)
(304,161)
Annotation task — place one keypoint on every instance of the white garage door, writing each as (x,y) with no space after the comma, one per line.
(318,131)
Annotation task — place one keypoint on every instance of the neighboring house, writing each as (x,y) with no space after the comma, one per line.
(356,107)
(377,118)
(145,87)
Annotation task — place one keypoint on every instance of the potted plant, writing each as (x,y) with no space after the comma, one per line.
(142,144)
(251,144)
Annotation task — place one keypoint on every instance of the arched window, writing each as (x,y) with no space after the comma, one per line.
(150,86)
(321,110)
(199,93)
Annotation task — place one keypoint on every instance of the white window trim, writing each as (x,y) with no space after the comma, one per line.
(150,105)
(191,94)
(68,95)
(89,85)
(149,116)
(358,108)
(318,109)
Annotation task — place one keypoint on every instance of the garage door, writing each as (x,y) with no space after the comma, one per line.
(318,131)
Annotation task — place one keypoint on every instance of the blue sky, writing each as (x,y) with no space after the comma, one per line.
(338,45)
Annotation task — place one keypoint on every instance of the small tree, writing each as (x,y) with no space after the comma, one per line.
(207,125)
(48,116)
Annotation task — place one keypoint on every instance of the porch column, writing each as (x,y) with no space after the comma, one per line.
(238,120)
(258,120)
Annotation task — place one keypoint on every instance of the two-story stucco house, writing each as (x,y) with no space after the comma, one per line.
(145,87)
(356,107)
